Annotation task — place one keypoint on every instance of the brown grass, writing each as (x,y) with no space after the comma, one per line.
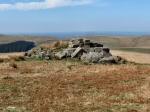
(133,56)
(13,65)
(7,57)
(16,58)
(68,86)
(55,45)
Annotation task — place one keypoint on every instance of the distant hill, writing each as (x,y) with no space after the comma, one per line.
(110,41)
(36,39)
(122,41)
(127,43)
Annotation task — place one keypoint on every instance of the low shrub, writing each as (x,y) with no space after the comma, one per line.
(55,45)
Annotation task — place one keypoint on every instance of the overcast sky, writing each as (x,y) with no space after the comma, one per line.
(44,16)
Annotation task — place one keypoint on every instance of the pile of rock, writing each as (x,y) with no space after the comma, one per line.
(39,53)
(83,49)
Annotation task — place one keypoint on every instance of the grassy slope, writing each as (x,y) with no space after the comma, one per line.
(120,41)
(132,44)
(111,41)
(137,57)
(36,39)
(134,49)
(60,86)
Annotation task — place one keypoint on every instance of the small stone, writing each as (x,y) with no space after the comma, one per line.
(107,60)
(119,60)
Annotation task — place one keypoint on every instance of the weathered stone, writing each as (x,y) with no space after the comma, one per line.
(69,51)
(119,60)
(87,44)
(89,50)
(35,57)
(107,60)
(99,45)
(106,54)
(81,44)
(42,55)
(84,49)
(86,41)
(91,57)
(60,55)
(77,53)
(80,40)
(106,50)
(98,49)
(30,53)
(73,45)
(47,58)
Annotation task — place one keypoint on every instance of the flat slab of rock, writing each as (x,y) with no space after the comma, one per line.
(79,51)
(107,60)
(91,57)
(60,55)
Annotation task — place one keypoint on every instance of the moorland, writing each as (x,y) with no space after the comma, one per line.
(28,85)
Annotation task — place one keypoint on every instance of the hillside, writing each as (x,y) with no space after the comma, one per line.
(125,43)
(32,85)
(111,41)
(142,58)
(122,41)
(36,39)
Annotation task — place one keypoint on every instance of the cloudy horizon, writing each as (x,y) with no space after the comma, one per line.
(20,16)
(45,4)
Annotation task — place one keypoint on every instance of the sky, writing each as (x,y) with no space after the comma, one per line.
(46,16)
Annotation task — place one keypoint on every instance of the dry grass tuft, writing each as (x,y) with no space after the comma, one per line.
(13,65)
(16,58)
(55,45)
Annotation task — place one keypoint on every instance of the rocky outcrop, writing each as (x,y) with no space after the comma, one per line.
(83,49)
(39,53)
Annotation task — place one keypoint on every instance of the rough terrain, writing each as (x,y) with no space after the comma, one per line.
(70,86)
